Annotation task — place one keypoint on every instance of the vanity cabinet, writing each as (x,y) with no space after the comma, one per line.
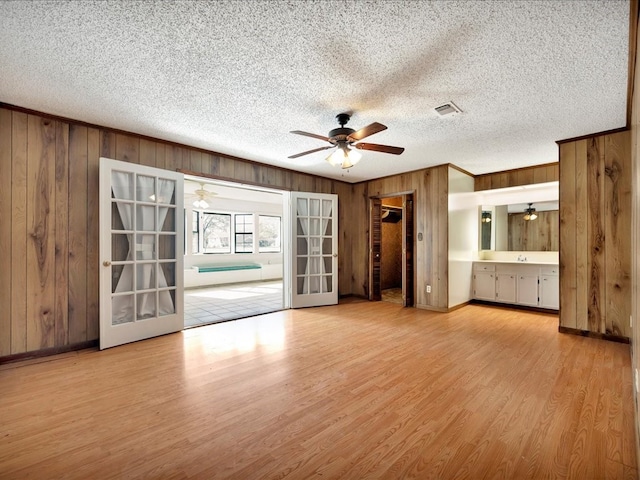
(484,282)
(505,287)
(550,288)
(532,285)
(528,289)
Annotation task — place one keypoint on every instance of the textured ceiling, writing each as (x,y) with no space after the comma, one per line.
(237,76)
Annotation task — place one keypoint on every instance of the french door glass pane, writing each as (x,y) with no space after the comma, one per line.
(145,188)
(167,277)
(145,276)
(122,310)
(120,247)
(146,218)
(127,282)
(118,211)
(145,246)
(146,305)
(327,208)
(166,247)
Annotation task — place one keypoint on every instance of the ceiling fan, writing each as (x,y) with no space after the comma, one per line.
(345,139)
(201,195)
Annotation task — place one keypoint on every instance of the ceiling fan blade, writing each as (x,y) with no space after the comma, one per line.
(375,127)
(379,148)
(311,151)
(307,134)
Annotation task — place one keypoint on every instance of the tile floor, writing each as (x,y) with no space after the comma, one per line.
(220,303)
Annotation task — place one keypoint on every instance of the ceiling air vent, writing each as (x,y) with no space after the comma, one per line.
(447,109)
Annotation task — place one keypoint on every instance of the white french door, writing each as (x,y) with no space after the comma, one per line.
(141,252)
(314,249)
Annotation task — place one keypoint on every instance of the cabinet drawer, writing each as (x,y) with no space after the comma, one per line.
(484,267)
(550,270)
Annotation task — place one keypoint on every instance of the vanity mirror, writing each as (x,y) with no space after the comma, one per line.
(521,219)
(520,227)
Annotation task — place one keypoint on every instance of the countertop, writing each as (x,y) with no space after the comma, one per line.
(516,262)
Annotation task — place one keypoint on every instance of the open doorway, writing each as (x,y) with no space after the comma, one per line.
(234,251)
(391,260)
(391,253)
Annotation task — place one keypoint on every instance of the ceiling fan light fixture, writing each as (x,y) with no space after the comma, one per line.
(344,156)
(530,213)
(200,203)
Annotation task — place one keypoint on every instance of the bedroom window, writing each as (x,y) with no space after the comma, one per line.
(244,233)
(216,232)
(269,234)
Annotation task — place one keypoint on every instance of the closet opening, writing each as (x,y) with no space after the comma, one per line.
(391,249)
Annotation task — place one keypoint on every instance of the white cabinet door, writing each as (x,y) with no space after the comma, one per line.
(550,291)
(484,286)
(528,290)
(141,249)
(506,287)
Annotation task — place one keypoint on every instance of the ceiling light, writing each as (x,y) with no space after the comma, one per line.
(344,156)
(200,203)
(530,213)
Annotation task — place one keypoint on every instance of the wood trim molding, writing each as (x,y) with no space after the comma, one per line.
(236,181)
(633,46)
(587,333)
(45,352)
(592,135)
(461,170)
(530,167)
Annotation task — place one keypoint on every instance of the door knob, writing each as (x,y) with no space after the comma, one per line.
(106,263)
(335,254)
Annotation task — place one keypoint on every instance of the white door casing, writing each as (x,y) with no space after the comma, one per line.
(141,252)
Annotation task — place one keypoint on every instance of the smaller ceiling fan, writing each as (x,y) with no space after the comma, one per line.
(201,195)
(344,138)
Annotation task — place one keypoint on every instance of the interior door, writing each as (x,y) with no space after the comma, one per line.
(141,252)
(375,227)
(314,249)
(407,252)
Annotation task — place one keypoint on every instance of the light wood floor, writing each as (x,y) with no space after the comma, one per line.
(360,390)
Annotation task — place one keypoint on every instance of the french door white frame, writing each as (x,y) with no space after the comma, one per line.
(141,252)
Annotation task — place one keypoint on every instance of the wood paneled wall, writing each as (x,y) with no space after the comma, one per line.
(431,187)
(595,234)
(49,221)
(516,177)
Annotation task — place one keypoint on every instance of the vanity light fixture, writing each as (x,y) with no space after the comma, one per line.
(530,213)
(486,217)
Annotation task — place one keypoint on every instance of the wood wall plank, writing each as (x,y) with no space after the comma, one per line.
(41,146)
(19,232)
(595,234)
(93,234)
(617,204)
(5,230)
(78,195)
(567,235)
(127,148)
(595,229)
(62,235)
(107,144)
(147,152)
(582,235)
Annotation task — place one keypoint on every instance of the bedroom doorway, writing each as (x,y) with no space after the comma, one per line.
(391,249)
